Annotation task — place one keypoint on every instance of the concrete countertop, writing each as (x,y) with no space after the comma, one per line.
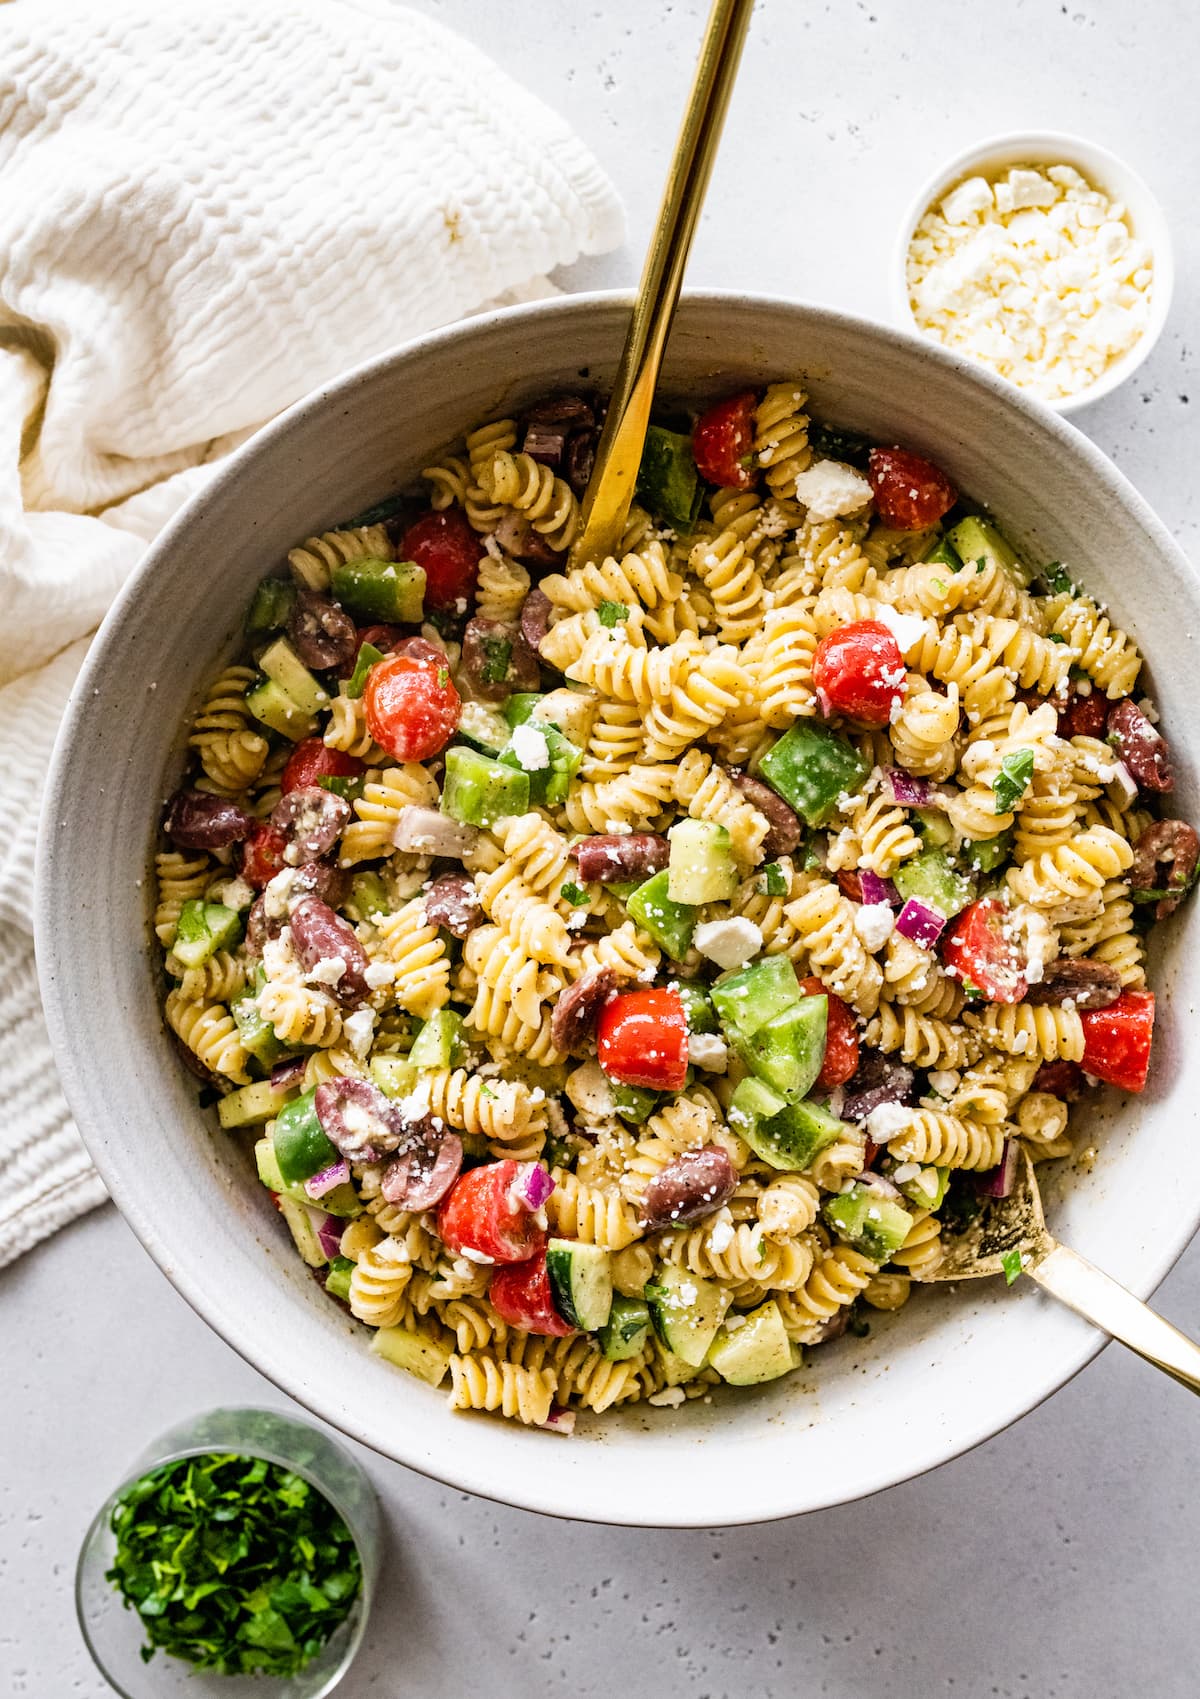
(1059,1561)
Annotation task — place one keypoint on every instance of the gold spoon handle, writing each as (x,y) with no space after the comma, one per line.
(1099,1299)
(619,453)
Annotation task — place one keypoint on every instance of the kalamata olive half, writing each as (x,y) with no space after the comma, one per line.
(496,660)
(321,937)
(574,1017)
(358,1119)
(199,820)
(423,1171)
(322,634)
(620,855)
(694,1185)
(535,617)
(453,903)
(312,820)
(786,830)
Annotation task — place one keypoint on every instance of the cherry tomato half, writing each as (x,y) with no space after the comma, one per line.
(412,707)
(910,493)
(723,442)
(1116,1045)
(858,671)
(521,1294)
(1084,716)
(480,1213)
(444,546)
(262,855)
(311,760)
(1060,1079)
(978,950)
(841,1038)
(642,1039)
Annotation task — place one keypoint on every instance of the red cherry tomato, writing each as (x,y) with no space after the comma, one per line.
(381,637)
(858,671)
(1116,1045)
(1084,716)
(262,855)
(311,760)
(980,954)
(412,708)
(841,1038)
(642,1039)
(479,1213)
(910,493)
(448,551)
(521,1294)
(723,441)
(1060,1079)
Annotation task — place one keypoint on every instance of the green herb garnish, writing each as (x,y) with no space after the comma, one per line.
(497,654)
(1058,579)
(443,677)
(368,657)
(234,1564)
(1055,637)
(611,612)
(574,894)
(1010,1262)
(342,785)
(776,880)
(1011,781)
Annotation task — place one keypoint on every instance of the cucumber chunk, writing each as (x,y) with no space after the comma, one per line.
(786,1135)
(701,868)
(394,1075)
(985,855)
(304,1234)
(281,663)
(934,827)
(368,896)
(440,1042)
(581,1281)
(479,791)
(926,1189)
(758,1349)
(787,1051)
(754,995)
(342,1200)
(337,1279)
(302,1147)
(203,929)
(875,1225)
(812,768)
(669,923)
(273,707)
(625,1332)
(261,1101)
(391,591)
(668,484)
(633,1102)
(930,878)
(979,544)
(422,1357)
(272,604)
(943,553)
(257,1035)
(686,1312)
(484,727)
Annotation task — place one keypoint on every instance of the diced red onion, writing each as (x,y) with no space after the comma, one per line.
(335,1175)
(559,1421)
(329,1232)
(426,831)
(877,890)
(284,1075)
(924,925)
(532,1185)
(999,1182)
(909,792)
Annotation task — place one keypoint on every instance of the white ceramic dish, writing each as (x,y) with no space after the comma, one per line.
(951,1368)
(1099,166)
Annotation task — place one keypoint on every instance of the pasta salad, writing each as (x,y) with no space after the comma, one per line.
(626,971)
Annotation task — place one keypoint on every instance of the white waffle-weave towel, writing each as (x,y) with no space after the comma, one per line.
(208,208)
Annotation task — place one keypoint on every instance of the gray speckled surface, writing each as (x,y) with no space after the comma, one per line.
(1060,1561)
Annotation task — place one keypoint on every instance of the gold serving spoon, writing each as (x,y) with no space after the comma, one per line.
(619,452)
(1016,1224)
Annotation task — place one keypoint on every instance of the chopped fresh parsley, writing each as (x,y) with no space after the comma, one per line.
(1011,781)
(776,880)
(1055,637)
(574,894)
(1010,1262)
(1058,579)
(443,677)
(611,612)
(971,989)
(234,1564)
(497,653)
(981,565)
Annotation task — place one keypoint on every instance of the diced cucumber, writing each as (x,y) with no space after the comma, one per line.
(281,662)
(203,929)
(342,1200)
(985,855)
(479,791)
(757,1349)
(943,553)
(633,1102)
(368,656)
(754,995)
(425,1358)
(926,1189)
(669,923)
(697,1006)
(787,1051)
(786,1135)
(251,1104)
(302,1147)
(520,706)
(483,726)
(581,1281)
(440,1042)
(273,707)
(934,827)
(304,1233)
(686,1312)
(930,878)
(625,1332)
(675,1371)
(701,868)
(979,543)
(256,1033)
(271,607)
(392,591)
(368,896)
(394,1075)
(874,1225)
(667,481)
(337,1279)
(812,768)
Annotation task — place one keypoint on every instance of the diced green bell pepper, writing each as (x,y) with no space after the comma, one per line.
(633,1102)
(667,481)
(256,1033)
(987,854)
(669,923)
(697,1006)
(754,995)
(479,791)
(548,786)
(368,896)
(811,768)
(788,1050)
(875,1225)
(786,1135)
(302,1147)
(368,657)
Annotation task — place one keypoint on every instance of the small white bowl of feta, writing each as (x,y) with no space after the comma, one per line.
(1043,256)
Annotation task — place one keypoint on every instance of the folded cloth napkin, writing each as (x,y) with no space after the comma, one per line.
(206,210)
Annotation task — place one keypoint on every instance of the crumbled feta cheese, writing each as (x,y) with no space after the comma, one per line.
(328,971)
(975,195)
(874,923)
(589,1090)
(907,629)
(277,894)
(945,1081)
(234,893)
(530,748)
(730,943)
(670,1398)
(721,1236)
(905,1172)
(379,974)
(278,956)
(708,1050)
(477,1256)
(733,1322)
(688,1293)
(357,1030)
(886,1121)
(828,489)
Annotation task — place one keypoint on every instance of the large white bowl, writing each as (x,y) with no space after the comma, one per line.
(949,1370)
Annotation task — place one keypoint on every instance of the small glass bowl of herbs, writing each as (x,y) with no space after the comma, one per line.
(239,1557)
